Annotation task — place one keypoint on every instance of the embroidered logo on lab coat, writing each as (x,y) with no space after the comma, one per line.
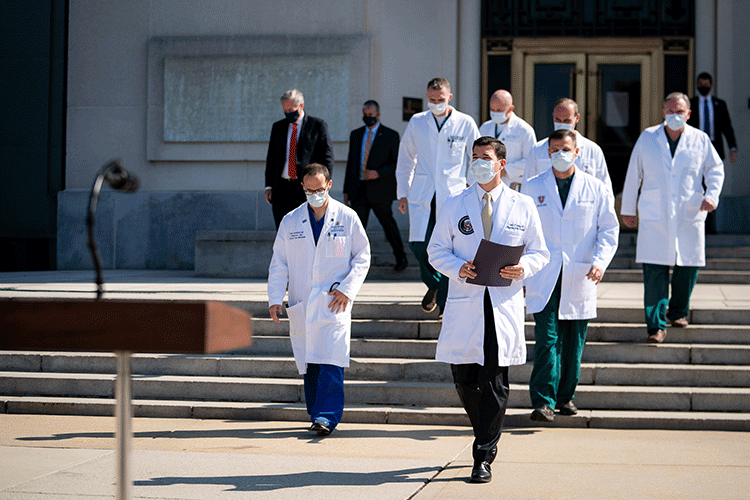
(464,225)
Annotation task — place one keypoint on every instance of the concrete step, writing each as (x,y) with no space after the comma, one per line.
(736,277)
(597,331)
(712,264)
(386,369)
(413,311)
(369,414)
(409,393)
(595,352)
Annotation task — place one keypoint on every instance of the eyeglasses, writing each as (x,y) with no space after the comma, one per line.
(317,191)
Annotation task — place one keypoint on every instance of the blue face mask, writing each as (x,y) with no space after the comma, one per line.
(293,116)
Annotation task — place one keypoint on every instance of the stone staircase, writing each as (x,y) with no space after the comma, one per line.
(699,379)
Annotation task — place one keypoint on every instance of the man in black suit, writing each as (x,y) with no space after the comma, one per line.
(304,138)
(370,181)
(710,114)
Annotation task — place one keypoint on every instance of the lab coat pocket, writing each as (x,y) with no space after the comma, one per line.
(649,205)
(296,315)
(336,246)
(457,149)
(512,148)
(582,288)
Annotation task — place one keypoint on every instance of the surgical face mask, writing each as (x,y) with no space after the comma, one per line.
(565,126)
(498,117)
(483,170)
(675,121)
(293,116)
(562,160)
(437,109)
(316,200)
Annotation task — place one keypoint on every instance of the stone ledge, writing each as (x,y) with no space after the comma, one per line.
(233,254)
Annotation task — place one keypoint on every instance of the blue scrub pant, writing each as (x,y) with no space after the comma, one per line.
(324,392)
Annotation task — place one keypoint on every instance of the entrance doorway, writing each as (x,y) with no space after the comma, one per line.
(618,85)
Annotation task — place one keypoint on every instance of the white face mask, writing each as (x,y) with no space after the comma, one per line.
(562,160)
(483,170)
(437,109)
(564,126)
(675,121)
(317,200)
(498,117)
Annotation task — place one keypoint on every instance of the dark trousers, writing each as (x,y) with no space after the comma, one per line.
(483,390)
(658,305)
(384,212)
(324,392)
(430,277)
(285,197)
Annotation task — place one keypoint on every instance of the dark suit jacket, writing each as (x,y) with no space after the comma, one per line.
(722,123)
(383,157)
(313,146)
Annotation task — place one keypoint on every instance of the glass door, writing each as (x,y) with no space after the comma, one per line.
(549,77)
(618,107)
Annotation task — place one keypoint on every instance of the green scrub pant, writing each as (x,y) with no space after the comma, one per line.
(430,277)
(558,347)
(659,307)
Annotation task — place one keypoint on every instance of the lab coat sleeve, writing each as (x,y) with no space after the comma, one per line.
(407,161)
(602,172)
(633,180)
(531,167)
(516,169)
(440,247)
(359,263)
(607,231)
(278,271)
(536,255)
(713,174)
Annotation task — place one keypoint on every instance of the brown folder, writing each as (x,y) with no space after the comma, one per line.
(490,258)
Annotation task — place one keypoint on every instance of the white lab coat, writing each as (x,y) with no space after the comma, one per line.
(590,159)
(455,239)
(342,255)
(671,228)
(433,163)
(518,137)
(582,235)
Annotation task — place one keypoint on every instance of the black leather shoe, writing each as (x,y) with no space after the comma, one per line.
(543,413)
(428,301)
(481,473)
(401,264)
(568,409)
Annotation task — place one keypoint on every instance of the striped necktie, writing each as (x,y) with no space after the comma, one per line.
(366,155)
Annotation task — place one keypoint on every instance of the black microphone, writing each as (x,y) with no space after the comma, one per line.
(120,179)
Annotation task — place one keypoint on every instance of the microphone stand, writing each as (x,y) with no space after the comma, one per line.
(119,179)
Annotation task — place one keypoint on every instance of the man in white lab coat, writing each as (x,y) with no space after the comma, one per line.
(483,331)
(433,156)
(670,164)
(517,135)
(590,159)
(581,231)
(321,253)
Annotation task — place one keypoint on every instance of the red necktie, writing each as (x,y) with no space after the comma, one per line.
(293,153)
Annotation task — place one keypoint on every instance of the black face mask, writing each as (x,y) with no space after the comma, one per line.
(292,117)
(704,90)
(370,120)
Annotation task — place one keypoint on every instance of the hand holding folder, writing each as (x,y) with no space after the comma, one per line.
(490,259)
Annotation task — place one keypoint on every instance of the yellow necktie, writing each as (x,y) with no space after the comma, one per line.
(487,215)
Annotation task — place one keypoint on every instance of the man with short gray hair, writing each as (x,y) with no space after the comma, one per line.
(296,141)
(670,164)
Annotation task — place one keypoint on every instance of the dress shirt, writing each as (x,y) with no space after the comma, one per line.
(702,101)
(495,193)
(285,172)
